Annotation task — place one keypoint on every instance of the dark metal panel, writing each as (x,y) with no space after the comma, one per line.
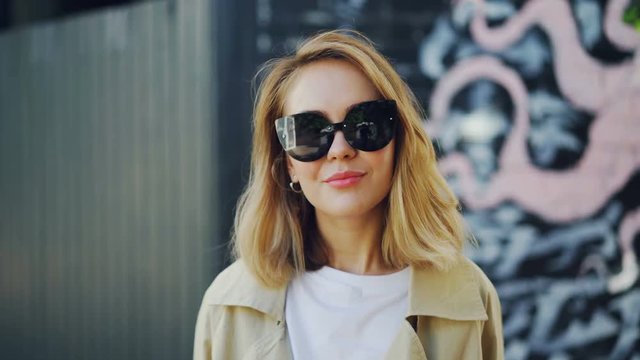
(235,65)
(106,172)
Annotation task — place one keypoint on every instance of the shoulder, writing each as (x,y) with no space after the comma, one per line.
(230,282)
(490,302)
(485,286)
(492,332)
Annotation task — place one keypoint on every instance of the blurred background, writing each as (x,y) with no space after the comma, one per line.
(124,143)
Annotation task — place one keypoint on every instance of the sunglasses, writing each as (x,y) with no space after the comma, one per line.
(368,126)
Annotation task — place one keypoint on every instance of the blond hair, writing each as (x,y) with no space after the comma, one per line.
(274,229)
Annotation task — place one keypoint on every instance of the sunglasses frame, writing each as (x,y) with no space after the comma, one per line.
(285,129)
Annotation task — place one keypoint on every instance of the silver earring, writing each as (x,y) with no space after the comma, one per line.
(292,185)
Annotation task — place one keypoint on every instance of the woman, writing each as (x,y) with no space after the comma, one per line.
(348,239)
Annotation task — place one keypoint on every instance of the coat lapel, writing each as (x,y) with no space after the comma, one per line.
(240,288)
(406,345)
(453,294)
(435,298)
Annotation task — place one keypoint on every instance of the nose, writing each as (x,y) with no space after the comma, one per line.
(340,148)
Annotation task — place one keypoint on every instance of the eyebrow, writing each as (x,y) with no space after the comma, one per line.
(349,108)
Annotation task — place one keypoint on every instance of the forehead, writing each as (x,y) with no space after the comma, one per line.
(330,86)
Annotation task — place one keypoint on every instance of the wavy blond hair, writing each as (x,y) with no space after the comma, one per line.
(274,228)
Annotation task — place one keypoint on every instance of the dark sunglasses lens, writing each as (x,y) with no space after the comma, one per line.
(371,126)
(306,137)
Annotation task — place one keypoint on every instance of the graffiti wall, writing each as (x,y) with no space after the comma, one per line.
(538,119)
(534,107)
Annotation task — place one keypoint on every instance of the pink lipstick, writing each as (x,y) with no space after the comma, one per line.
(343,179)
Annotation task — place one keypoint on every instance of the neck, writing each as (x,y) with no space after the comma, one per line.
(354,243)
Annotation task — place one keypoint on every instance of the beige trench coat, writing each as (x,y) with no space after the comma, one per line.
(454,315)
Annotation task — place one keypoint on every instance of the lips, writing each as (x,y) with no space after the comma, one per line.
(344,179)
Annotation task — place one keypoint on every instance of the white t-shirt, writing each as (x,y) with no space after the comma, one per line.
(332,314)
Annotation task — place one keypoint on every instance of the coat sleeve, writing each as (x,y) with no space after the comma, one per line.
(492,336)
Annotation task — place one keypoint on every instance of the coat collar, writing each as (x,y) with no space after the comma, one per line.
(236,286)
(454,294)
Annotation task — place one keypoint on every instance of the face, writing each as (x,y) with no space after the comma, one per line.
(346,182)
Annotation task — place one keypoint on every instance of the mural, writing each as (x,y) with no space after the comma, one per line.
(540,138)
(534,107)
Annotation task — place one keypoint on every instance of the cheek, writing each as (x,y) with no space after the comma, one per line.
(385,165)
(386,160)
(304,171)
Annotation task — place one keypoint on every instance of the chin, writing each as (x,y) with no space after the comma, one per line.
(338,209)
